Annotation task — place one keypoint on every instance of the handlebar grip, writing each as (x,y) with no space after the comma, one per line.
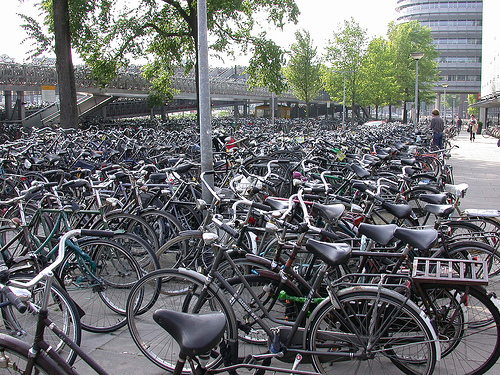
(13,299)
(292,227)
(261,206)
(226,228)
(97,233)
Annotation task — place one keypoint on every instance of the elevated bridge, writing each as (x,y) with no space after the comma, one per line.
(228,87)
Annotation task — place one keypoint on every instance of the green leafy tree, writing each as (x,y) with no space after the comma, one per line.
(303,73)
(471,99)
(404,39)
(377,75)
(344,55)
(109,33)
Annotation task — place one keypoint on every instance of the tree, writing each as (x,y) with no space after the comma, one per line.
(111,32)
(303,72)
(471,99)
(378,85)
(404,39)
(345,53)
(64,65)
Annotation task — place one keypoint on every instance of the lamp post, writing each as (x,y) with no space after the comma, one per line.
(416,56)
(445,85)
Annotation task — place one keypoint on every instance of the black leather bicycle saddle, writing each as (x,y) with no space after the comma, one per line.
(195,333)
(332,254)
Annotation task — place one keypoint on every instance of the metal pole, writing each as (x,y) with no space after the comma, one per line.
(416,95)
(204,100)
(343,104)
(272,108)
(444,106)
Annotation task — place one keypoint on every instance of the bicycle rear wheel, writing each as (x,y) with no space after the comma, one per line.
(99,282)
(468,326)
(178,290)
(388,332)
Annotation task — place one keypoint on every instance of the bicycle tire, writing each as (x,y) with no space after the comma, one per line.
(353,331)
(164,224)
(17,353)
(178,290)
(62,311)
(124,222)
(474,345)
(185,250)
(101,296)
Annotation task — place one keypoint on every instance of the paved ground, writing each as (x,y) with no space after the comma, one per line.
(477,164)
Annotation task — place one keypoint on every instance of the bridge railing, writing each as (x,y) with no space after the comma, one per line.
(37,75)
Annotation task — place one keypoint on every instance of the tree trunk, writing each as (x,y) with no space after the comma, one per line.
(405,115)
(64,65)
(390,112)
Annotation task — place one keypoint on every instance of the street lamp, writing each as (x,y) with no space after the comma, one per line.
(416,56)
(445,85)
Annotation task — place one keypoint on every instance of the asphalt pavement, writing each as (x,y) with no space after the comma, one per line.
(475,163)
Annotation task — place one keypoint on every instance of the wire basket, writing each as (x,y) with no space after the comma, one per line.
(450,271)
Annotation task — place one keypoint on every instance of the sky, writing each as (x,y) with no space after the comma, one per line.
(319,17)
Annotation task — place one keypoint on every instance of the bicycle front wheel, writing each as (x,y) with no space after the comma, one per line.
(15,354)
(62,312)
(372,331)
(99,281)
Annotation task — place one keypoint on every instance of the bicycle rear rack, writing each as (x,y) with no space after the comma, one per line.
(446,271)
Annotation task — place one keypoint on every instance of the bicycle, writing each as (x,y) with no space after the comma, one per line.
(40,356)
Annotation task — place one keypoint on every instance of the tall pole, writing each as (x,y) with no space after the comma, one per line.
(445,85)
(204,100)
(416,95)
(343,103)
(416,56)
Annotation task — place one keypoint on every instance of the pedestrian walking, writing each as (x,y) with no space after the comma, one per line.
(459,124)
(473,127)
(437,128)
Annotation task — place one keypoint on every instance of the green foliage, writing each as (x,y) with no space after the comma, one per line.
(303,72)
(407,38)
(108,33)
(377,81)
(345,55)
(472,98)
(266,65)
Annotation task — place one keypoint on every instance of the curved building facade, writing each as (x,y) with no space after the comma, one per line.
(456,26)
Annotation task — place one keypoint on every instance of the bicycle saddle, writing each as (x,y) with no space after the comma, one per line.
(399,210)
(332,254)
(440,210)
(438,198)
(195,333)
(422,239)
(382,234)
(329,212)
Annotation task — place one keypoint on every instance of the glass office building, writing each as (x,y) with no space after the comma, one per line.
(456,26)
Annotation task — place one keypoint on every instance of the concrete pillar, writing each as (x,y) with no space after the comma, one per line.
(8,104)
(103,112)
(21,109)
(245,108)
(236,109)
